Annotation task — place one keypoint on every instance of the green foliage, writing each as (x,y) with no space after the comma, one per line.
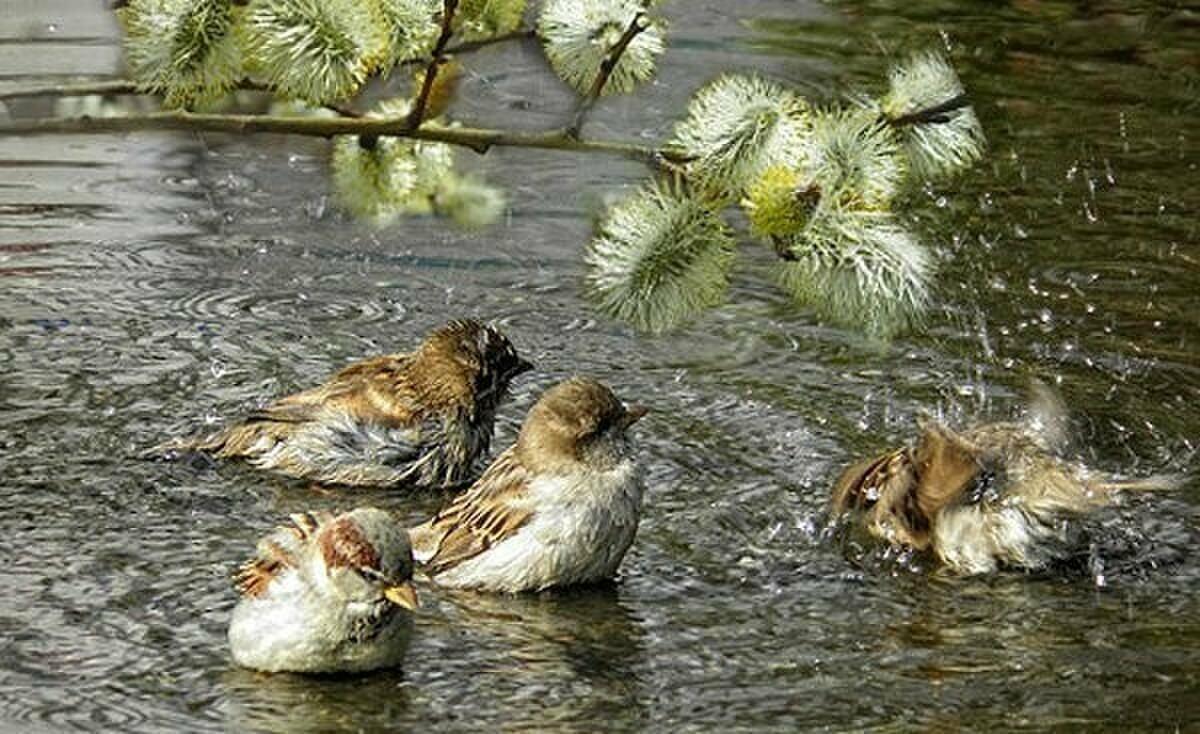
(859,269)
(185,50)
(854,159)
(661,256)
(578,34)
(379,179)
(373,181)
(320,51)
(738,126)
(468,201)
(387,177)
(952,141)
(479,19)
(818,185)
(779,203)
(412,27)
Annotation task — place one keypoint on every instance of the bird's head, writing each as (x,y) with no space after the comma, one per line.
(578,422)
(481,353)
(367,558)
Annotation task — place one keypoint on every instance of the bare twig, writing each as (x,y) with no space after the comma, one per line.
(344,110)
(417,115)
(478,139)
(115,87)
(125,87)
(520,34)
(639,23)
(939,113)
(79,89)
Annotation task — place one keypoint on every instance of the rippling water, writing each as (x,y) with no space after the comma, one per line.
(153,283)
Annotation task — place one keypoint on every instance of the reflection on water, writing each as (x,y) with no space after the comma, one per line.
(149,284)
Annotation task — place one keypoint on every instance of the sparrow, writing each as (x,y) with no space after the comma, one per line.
(422,418)
(994,496)
(326,594)
(559,507)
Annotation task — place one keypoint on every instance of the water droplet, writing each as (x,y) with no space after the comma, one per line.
(315,209)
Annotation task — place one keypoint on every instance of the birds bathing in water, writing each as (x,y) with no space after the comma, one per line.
(423,418)
(559,507)
(326,594)
(995,496)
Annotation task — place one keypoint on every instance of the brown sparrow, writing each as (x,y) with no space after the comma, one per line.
(326,594)
(422,418)
(559,507)
(989,497)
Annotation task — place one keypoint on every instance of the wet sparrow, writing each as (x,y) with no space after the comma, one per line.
(989,497)
(559,507)
(422,418)
(326,594)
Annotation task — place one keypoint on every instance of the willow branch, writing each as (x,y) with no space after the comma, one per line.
(639,23)
(79,89)
(939,113)
(115,87)
(478,139)
(344,110)
(520,34)
(126,87)
(431,69)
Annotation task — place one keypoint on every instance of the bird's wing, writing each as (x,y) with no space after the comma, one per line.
(936,472)
(903,490)
(277,552)
(494,508)
(874,480)
(371,391)
(375,389)
(948,464)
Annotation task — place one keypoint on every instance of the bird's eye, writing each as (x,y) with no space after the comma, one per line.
(369,573)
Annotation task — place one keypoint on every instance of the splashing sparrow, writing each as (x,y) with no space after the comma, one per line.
(422,418)
(326,594)
(559,507)
(989,497)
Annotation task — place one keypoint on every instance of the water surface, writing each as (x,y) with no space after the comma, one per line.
(153,283)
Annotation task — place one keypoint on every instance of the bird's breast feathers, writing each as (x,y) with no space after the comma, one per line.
(583,524)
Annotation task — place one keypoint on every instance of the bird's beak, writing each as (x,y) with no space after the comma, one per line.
(634,413)
(402,595)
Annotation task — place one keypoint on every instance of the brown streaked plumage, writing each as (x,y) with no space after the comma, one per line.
(558,507)
(981,499)
(422,418)
(492,510)
(277,552)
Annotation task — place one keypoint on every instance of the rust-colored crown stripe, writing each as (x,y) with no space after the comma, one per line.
(343,545)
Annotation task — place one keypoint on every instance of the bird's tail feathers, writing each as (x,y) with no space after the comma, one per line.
(1152,483)
(1046,416)
(216,442)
